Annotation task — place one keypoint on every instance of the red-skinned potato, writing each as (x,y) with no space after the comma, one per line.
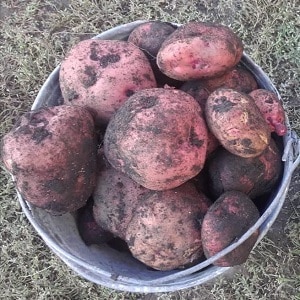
(237,122)
(89,230)
(102,74)
(239,79)
(52,154)
(198,90)
(254,176)
(271,108)
(149,37)
(158,138)
(165,230)
(115,197)
(199,50)
(226,220)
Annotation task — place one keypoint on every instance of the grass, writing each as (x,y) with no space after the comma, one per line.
(35,36)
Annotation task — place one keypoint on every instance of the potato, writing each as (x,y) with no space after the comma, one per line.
(239,79)
(165,230)
(198,90)
(148,37)
(226,220)
(115,197)
(254,176)
(158,138)
(272,110)
(237,123)
(90,232)
(102,74)
(199,50)
(52,152)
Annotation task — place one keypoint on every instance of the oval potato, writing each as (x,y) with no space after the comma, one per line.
(199,50)
(226,220)
(237,122)
(102,74)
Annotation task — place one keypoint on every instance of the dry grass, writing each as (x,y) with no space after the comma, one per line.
(34,37)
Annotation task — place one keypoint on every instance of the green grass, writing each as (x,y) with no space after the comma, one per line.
(35,35)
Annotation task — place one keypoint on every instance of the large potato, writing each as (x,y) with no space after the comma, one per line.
(102,74)
(158,138)
(52,154)
(237,122)
(199,50)
(165,230)
(226,220)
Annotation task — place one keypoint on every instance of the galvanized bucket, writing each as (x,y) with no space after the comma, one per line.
(107,266)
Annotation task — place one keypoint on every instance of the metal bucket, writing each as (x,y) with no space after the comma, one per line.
(107,266)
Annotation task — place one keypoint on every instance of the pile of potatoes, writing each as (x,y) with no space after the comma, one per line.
(165,145)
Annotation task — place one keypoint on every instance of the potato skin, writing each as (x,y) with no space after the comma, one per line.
(198,90)
(199,50)
(115,197)
(237,123)
(102,74)
(254,176)
(158,138)
(89,230)
(272,110)
(164,232)
(149,37)
(52,152)
(239,79)
(226,220)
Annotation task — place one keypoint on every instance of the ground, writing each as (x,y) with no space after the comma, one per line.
(35,35)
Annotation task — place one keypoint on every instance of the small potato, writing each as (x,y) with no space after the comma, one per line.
(199,50)
(237,123)
(148,37)
(198,90)
(90,232)
(115,197)
(226,220)
(254,176)
(158,138)
(239,79)
(52,154)
(102,74)
(165,231)
(272,110)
